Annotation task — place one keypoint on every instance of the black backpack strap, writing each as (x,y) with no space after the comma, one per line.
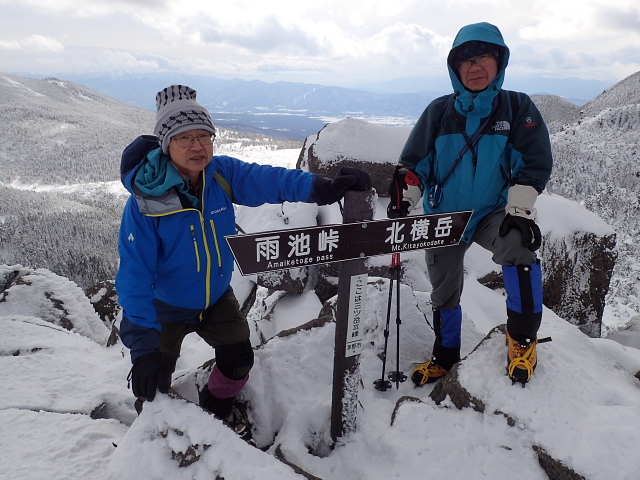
(514,100)
(445,111)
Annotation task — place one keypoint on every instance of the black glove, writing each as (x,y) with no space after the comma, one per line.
(531,236)
(327,191)
(402,178)
(147,374)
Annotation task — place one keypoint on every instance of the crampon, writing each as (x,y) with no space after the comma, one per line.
(522,359)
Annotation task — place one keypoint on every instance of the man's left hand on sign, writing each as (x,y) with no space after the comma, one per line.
(327,191)
(404,192)
(147,375)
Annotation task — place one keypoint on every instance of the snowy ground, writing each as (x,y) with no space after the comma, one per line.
(66,404)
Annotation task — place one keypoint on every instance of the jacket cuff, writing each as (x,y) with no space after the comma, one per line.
(138,339)
(320,191)
(520,201)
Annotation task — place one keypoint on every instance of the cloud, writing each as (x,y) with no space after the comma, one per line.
(293,65)
(618,18)
(628,54)
(584,63)
(33,43)
(270,35)
(333,41)
(304,38)
(146,3)
(403,39)
(132,61)
(90,8)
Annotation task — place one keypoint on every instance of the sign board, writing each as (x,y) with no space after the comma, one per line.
(357,301)
(301,247)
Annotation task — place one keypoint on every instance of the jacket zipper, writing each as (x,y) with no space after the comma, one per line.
(195,245)
(206,248)
(215,239)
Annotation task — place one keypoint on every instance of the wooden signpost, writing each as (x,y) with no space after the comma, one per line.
(349,243)
(352,296)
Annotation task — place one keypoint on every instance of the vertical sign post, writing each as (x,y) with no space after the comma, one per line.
(352,291)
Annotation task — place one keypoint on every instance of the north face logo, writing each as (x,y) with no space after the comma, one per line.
(501,126)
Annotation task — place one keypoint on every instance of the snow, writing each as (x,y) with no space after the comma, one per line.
(286,158)
(40,444)
(352,138)
(582,405)
(560,217)
(49,286)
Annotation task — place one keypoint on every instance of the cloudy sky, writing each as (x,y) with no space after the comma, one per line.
(338,42)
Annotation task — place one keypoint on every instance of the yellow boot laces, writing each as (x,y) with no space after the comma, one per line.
(427,370)
(524,360)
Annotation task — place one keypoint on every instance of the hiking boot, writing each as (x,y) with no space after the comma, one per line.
(428,372)
(238,422)
(521,360)
(226,410)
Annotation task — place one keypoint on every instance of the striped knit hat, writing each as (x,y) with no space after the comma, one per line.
(178,111)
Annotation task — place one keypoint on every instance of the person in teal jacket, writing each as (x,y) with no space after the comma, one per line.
(484,149)
(175,265)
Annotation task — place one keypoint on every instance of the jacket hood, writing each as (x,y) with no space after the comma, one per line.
(133,156)
(483,32)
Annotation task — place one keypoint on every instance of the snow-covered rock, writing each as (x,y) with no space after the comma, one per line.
(577,439)
(52,298)
(355,143)
(578,257)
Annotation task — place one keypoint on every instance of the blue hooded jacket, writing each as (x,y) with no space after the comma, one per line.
(513,143)
(174,260)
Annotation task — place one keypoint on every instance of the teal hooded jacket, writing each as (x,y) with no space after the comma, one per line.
(512,146)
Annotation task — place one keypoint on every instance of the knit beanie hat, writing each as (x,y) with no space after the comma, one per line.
(471,49)
(178,111)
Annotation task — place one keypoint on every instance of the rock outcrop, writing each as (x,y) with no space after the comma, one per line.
(465,388)
(578,254)
(52,298)
(355,143)
(578,271)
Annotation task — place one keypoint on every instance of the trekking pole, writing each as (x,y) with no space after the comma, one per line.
(397,376)
(382,384)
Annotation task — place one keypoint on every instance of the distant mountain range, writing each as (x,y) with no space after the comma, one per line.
(284,109)
(574,90)
(60,132)
(256,96)
(297,110)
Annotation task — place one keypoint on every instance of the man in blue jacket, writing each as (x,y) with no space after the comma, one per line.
(175,266)
(483,149)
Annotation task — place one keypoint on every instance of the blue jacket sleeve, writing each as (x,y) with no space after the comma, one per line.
(139,340)
(254,184)
(138,248)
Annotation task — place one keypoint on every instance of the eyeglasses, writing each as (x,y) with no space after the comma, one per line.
(186,141)
(481,60)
